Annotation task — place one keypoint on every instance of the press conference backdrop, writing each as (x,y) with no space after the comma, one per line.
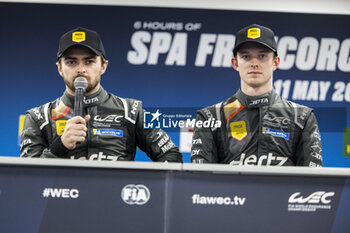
(178,59)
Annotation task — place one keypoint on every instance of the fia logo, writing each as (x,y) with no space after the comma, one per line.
(135,194)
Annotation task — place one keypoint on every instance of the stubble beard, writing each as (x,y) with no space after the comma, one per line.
(90,86)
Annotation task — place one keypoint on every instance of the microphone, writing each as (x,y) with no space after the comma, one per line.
(80,84)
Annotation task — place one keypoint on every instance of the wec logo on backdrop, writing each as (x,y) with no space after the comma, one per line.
(314,198)
(311,203)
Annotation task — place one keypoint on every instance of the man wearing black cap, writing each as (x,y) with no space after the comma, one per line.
(258,127)
(111,127)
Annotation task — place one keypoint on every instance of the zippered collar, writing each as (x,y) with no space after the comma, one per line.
(95,99)
(256,101)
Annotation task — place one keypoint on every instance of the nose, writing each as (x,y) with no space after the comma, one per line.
(254,63)
(81,68)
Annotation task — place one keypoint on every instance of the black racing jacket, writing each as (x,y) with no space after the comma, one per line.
(115,129)
(259,130)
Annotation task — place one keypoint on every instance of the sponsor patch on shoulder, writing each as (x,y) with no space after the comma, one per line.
(275,133)
(60,126)
(238,130)
(108,132)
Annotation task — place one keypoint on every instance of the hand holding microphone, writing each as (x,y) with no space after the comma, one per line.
(75,130)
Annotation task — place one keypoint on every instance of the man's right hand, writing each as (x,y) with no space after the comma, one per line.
(75,131)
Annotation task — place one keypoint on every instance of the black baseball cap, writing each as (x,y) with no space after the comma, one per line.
(81,36)
(257,34)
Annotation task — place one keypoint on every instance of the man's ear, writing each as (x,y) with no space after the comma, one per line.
(104,67)
(234,63)
(276,63)
(59,68)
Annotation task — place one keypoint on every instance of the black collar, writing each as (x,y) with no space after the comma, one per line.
(95,99)
(256,101)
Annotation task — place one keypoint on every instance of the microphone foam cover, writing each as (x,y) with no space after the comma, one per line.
(80,82)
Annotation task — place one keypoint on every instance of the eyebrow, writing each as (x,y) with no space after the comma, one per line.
(85,58)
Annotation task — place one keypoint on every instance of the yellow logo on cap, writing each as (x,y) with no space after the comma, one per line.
(253,33)
(238,130)
(78,36)
(60,126)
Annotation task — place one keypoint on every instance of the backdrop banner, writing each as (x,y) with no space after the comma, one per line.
(178,59)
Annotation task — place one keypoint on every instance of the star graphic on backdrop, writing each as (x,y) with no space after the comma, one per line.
(156,115)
